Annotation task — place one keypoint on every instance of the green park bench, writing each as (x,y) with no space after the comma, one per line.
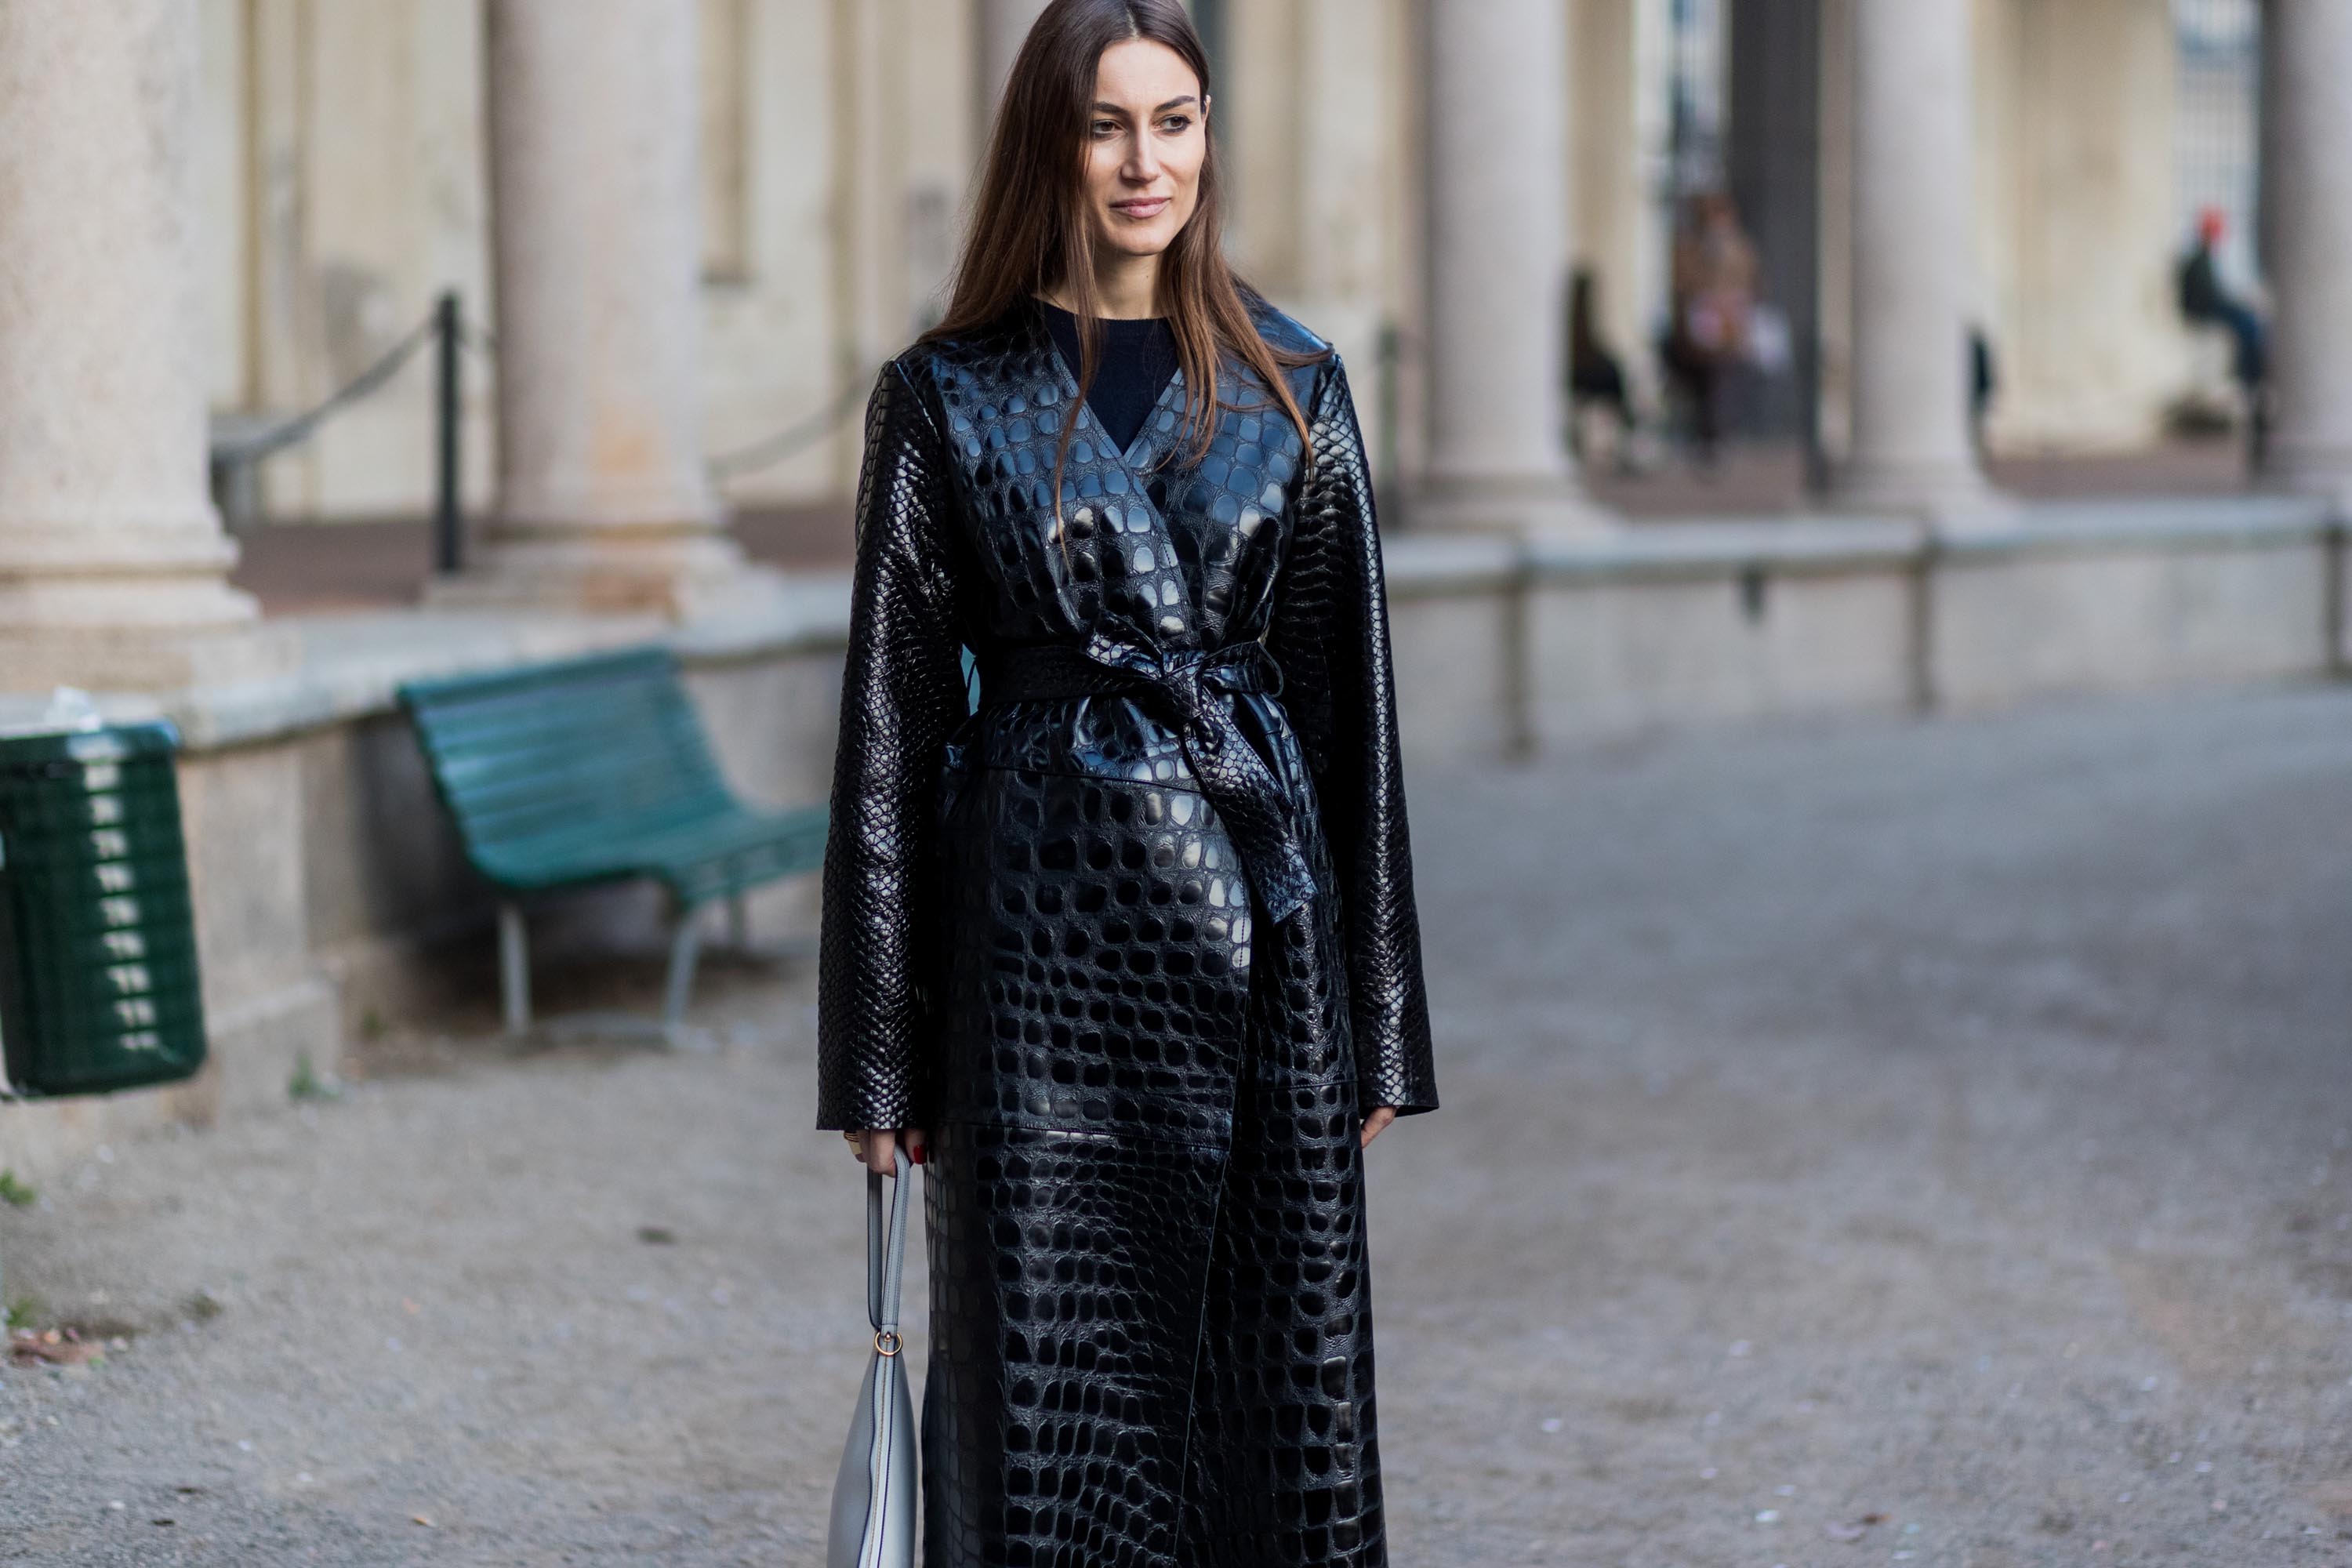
(579,771)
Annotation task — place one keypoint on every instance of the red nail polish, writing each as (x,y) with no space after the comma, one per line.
(919,1153)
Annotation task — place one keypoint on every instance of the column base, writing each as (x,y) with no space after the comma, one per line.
(1544,508)
(2326,472)
(684,577)
(1950,500)
(135,659)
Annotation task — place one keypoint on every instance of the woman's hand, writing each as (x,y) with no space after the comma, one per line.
(877,1147)
(1380,1116)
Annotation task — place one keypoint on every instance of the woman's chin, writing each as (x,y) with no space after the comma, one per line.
(1138,239)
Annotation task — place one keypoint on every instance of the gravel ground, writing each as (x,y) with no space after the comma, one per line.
(1863,1143)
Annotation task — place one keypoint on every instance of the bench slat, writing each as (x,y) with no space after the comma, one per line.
(590,769)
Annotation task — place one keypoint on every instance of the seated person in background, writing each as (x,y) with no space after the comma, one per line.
(2204,299)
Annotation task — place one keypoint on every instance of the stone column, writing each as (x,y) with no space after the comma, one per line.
(1496,205)
(1004,25)
(113,565)
(604,502)
(1910,450)
(2306,153)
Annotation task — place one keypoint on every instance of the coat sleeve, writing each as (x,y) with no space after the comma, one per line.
(902,692)
(1331,635)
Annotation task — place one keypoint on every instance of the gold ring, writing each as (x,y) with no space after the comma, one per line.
(890,1334)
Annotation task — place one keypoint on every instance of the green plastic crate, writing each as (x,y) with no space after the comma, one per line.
(98,981)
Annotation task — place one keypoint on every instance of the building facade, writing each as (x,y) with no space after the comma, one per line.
(346,176)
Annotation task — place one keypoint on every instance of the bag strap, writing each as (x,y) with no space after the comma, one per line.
(886,1256)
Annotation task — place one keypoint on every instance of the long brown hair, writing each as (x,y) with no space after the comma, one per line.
(1031,229)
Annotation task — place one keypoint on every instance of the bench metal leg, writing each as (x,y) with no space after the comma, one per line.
(514,967)
(684,949)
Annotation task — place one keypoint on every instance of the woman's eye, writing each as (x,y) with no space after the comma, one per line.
(1106,127)
(1177,125)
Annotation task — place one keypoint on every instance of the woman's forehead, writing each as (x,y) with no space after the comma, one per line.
(1143,74)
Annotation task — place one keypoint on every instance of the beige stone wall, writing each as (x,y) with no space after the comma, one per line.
(350,190)
(1617,140)
(343,187)
(771,351)
(1605,161)
(343,157)
(1319,120)
(2077,231)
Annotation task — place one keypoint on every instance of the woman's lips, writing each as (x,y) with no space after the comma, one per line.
(1140,209)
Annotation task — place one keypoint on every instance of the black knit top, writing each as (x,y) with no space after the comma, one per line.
(1138,359)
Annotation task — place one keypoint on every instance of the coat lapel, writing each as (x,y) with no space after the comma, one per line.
(1136,552)
(1165,408)
(1175,545)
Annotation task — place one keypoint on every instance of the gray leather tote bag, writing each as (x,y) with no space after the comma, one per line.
(873,1495)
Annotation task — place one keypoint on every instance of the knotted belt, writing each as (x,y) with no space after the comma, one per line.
(1192,691)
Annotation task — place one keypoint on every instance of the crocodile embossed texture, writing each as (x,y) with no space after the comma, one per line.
(1331,637)
(1149,1291)
(1098,967)
(1284,1466)
(902,691)
(1068,1276)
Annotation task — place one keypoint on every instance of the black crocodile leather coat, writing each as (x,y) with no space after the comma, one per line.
(1138,959)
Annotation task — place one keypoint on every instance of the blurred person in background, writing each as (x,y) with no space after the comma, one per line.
(1984,381)
(1714,293)
(2205,300)
(1596,376)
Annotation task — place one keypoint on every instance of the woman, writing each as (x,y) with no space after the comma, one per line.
(1127,951)
(1715,301)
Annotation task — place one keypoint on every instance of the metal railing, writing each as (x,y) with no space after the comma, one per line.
(235,458)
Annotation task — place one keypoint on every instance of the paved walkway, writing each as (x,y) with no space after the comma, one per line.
(1863,1143)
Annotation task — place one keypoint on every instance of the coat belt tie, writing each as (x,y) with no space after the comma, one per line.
(1192,691)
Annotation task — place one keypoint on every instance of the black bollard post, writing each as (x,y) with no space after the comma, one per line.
(448,522)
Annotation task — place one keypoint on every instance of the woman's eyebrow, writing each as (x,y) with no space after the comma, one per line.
(1104,108)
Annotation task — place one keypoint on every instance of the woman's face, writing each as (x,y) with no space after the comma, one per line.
(1146,136)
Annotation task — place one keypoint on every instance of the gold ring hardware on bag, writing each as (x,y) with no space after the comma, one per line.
(881,1334)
